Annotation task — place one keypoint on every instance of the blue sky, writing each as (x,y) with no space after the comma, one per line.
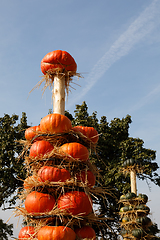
(116,44)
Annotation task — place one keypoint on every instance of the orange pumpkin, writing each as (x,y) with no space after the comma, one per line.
(86,177)
(89,132)
(37,202)
(85,232)
(27,232)
(56,233)
(40,148)
(75,150)
(55,123)
(53,174)
(75,202)
(31,132)
(58,59)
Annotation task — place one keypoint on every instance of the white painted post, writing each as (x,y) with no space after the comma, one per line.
(59,94)
(133,181)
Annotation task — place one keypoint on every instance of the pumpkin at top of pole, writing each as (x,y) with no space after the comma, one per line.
(60,60)
(59,67)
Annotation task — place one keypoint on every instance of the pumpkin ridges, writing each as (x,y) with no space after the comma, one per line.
(40,148)
(31,132)
(75,150)
(75,203)
(56,233)
(58,59)
(86,177)
(90,132)
(26,232)
(37,202)
(55,123)
(53,174)
(85,232)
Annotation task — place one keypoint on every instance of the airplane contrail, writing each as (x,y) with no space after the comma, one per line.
(144,100)
(140,28)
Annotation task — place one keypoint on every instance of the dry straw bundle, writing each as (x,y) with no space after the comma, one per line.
(135,223)
(48,79)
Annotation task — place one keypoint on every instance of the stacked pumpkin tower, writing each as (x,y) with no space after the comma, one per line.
(56,200)
(135,223)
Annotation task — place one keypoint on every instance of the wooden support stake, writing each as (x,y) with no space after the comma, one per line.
(133,181)
(59,94)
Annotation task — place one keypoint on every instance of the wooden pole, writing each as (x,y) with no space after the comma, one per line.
(133,181)
(59,94)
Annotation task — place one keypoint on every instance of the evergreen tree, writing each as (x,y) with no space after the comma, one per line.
(114,147)
(5,230)
(11,168)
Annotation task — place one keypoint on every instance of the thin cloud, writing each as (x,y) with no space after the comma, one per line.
(140,28)
(148,98)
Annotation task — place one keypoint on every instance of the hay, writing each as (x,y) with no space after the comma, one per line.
(32,183)
(146,237)
(60,138)
(61,216)
(136,167)
(57,140)
(48,79)
(74,166)
(133,201)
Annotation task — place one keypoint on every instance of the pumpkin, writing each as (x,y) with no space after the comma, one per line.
(130,195)
(126,208)
(55,123)
(143,197)
(58,60)
(75,203)
(152,229)
(147,209)
(129,162)
(143,220)
(37,202)
(123,197)
(140,220)
(26,232)
(53,174)
(140,207)
(125,219)
(122,209)
(40,148)
(147,221)
(86,177)
(31,132)
(75,150)
(56,233)
(138,232)
(85,232)
(143,207)
(124,232)
(89,132)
